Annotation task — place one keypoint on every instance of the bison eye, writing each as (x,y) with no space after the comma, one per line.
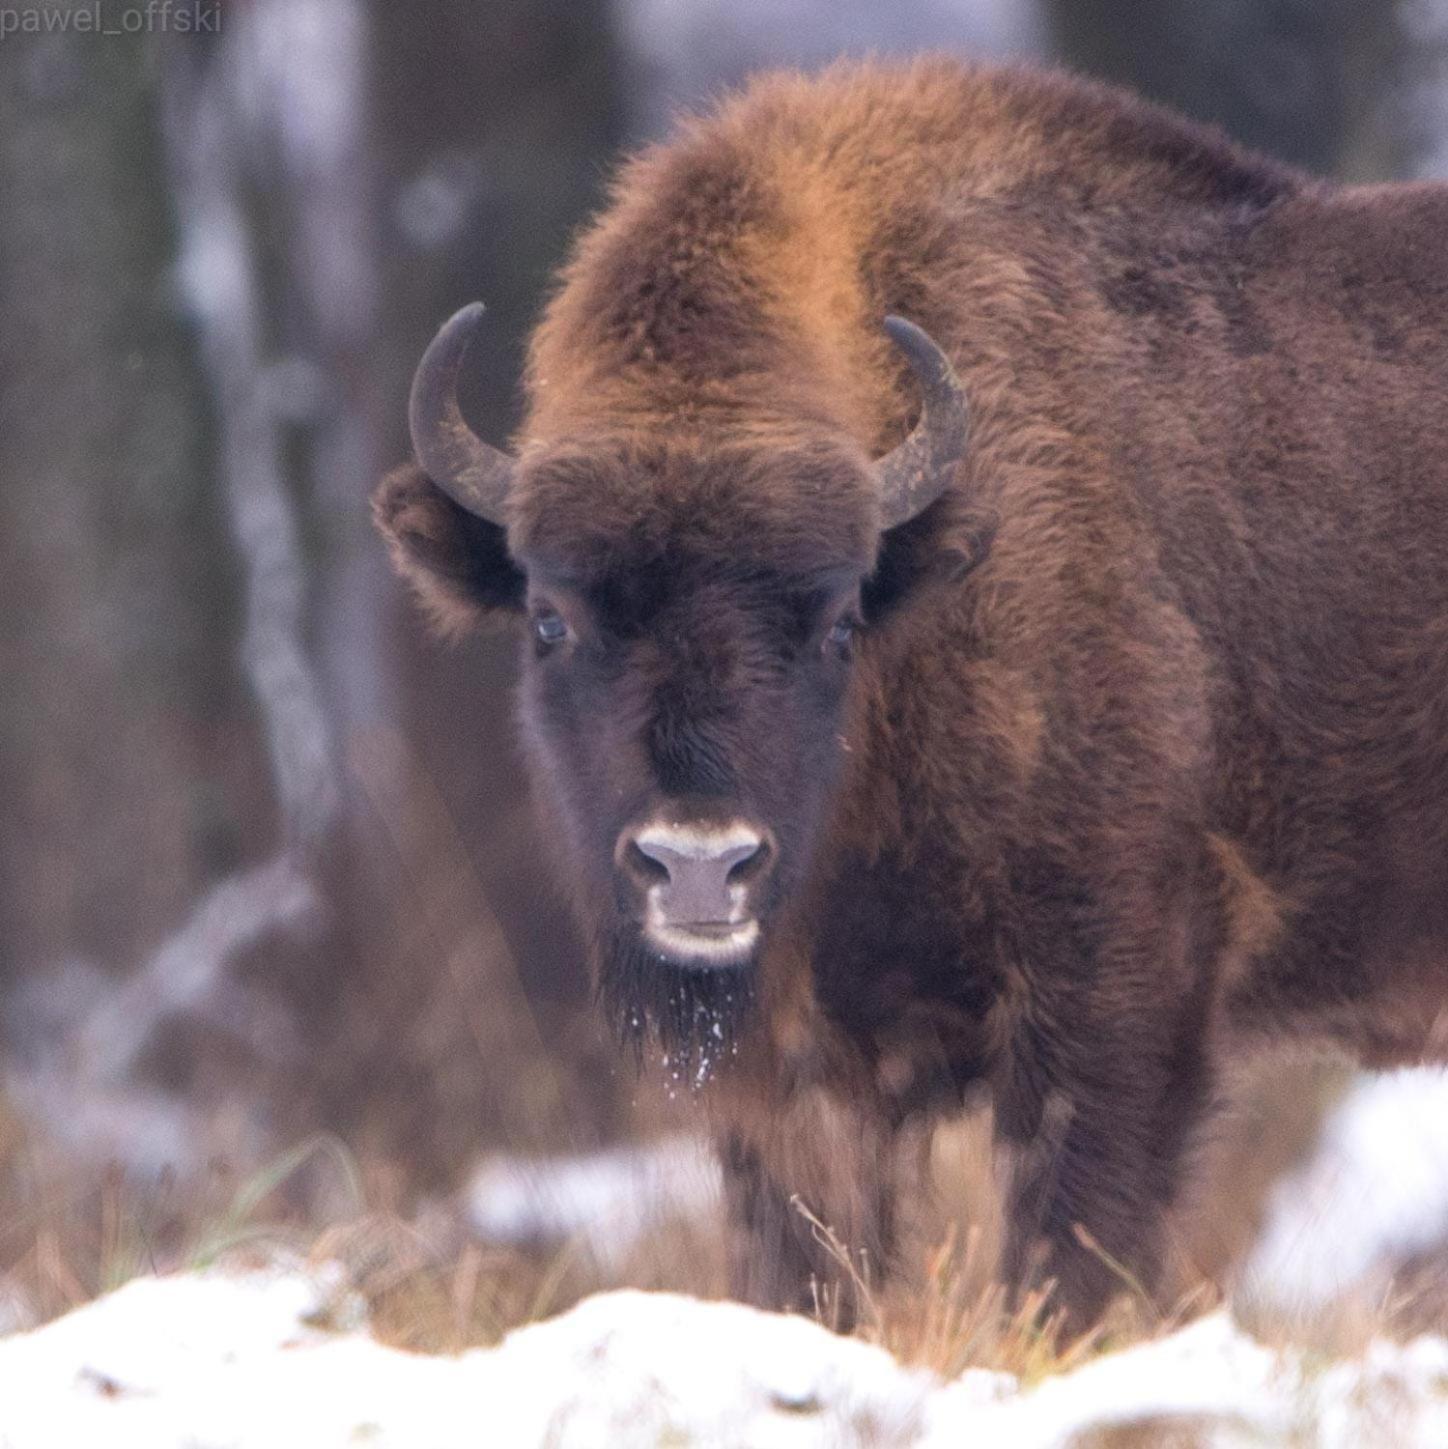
(549,626)
(843,631)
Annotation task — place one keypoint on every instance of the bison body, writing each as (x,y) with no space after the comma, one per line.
(1127,753)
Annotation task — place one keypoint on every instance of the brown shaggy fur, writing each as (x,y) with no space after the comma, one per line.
(1142,757)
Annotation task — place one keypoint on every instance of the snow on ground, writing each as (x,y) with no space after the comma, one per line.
(276,1359)
(606,1202)
(1374,1193)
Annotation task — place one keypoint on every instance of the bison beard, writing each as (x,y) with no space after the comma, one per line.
(693,1016)
(1096,745)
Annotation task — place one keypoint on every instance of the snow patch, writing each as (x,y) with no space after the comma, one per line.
(606,1201)
(280,1359)
(1374,1193)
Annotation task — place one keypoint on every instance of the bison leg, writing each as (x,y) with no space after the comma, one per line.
(809,1230)
(770,1261)
(1092,1184)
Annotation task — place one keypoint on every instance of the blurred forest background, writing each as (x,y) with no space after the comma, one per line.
(266,869)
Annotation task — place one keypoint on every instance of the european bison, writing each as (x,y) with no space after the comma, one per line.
(1045,694)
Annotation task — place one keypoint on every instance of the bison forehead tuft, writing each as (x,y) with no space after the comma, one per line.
(801,510)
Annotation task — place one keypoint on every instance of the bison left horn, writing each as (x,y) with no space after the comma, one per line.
(473,474)
(914,474)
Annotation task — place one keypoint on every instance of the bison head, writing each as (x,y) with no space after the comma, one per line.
(692,597)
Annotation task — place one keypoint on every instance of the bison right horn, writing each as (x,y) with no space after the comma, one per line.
(914,474)
(473,474)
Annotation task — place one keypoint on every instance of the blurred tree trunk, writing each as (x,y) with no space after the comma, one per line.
(126,763)
(491,127)
(199,625)
(1424,102)
(1310,81)
(681,56)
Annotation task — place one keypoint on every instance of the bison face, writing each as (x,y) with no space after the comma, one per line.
(689,621)
(691,601)
(686,714)
(685,676)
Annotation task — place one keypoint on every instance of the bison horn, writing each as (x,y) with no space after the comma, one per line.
(914,474)
(473,474)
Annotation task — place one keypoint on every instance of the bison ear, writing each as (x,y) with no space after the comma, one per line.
(456,563)
(927,547)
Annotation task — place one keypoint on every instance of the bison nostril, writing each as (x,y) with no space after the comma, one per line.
(752,866)
(646,869)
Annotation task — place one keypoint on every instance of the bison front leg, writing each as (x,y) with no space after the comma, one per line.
(811,1204)
(772,1263)
(1093,1177)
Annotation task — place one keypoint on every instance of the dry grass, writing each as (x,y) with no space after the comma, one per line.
(953,1314)
(430,1288)
(66,1239)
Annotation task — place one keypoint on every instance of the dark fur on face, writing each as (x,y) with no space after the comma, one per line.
(1138,760)
(697,676)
